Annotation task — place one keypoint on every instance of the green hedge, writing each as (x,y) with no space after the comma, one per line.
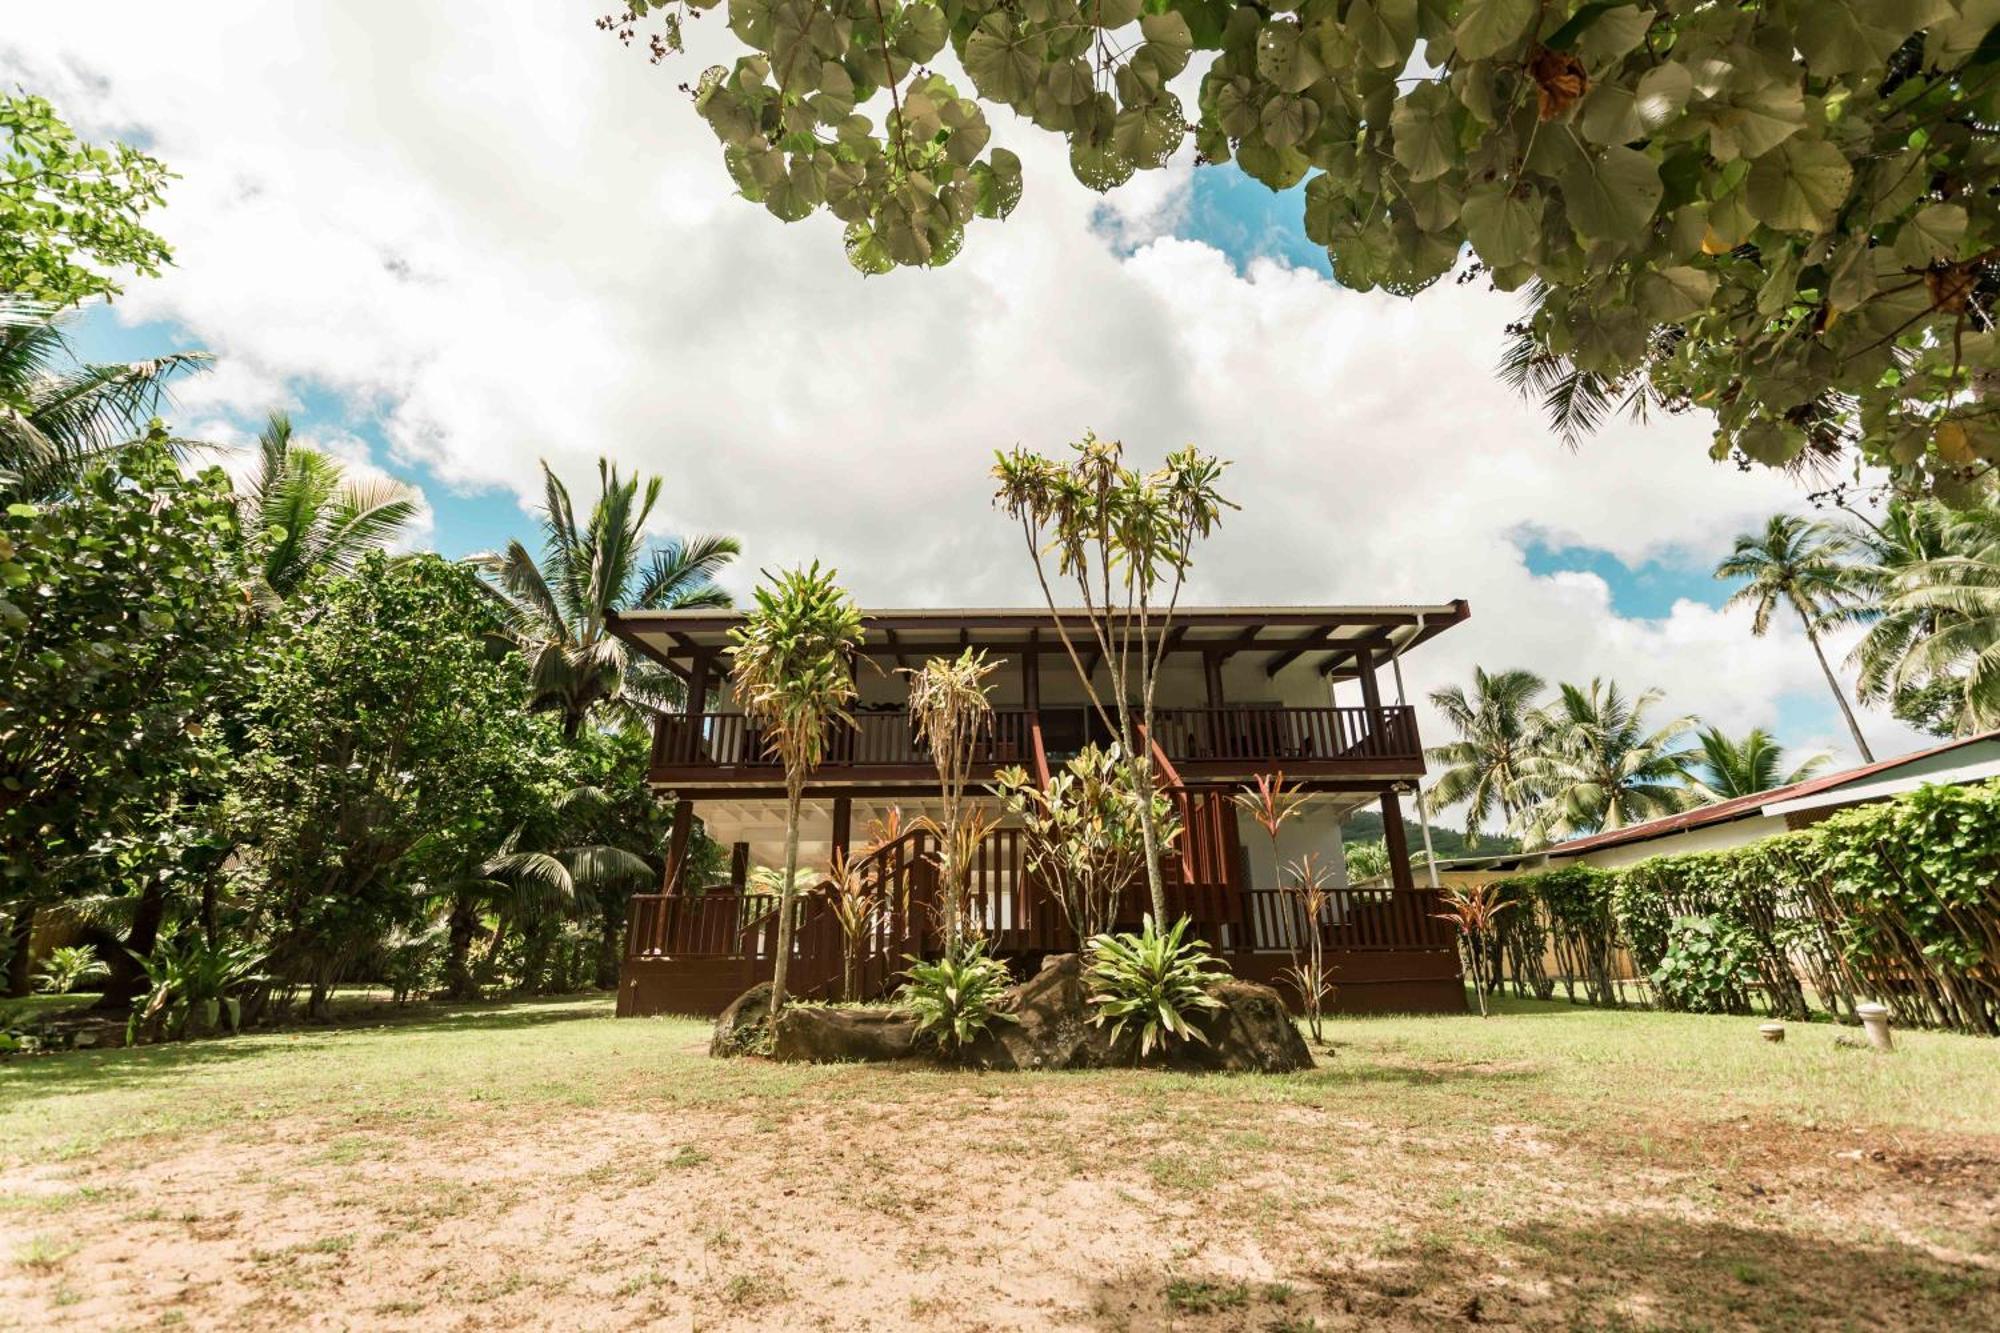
(1898,901)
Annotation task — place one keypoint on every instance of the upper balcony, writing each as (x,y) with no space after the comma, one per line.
(1315,691)
(725,750)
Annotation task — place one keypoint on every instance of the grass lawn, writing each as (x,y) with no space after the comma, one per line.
(543,1165)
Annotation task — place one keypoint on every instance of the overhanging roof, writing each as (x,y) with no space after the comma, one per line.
(1326,639)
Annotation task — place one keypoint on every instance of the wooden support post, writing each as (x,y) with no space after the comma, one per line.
(1211,674)
(843,815)
(1397,841)
(739,865)
(677,847)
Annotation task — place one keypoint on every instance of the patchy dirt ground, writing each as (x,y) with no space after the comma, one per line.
(658,1189)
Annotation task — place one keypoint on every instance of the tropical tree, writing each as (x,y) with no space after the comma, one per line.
(1601,767)
(1960,597)
(1802,564)
(1499,726)
(1125,540)
(1926,573)
(58,415)
(557,611)
(950,708)
(1780,210)
(316,519)
(1728,766)
(792,667)
(70,210)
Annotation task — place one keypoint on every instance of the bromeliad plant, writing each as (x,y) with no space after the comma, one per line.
(953,997)
(194,985)
(1155,981)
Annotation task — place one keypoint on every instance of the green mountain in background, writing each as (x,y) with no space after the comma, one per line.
(1366,826)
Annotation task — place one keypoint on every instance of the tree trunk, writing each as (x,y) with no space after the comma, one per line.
(20,939)
(607,948)
(1839,695)
(128,980)
(779,966)
(1149,834)
(464,923)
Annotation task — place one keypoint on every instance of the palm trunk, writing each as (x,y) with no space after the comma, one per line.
(1839,695)
(793,798)
(1150,836)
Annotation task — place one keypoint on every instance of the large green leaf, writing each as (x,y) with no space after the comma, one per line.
(1488,27)
(1503,229)
(1426,129)
(1799,185)
(1611,197)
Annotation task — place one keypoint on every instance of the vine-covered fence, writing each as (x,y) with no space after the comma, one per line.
(1897,902)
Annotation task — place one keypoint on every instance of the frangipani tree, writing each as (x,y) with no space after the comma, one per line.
(1782,211)
(792,666)
(1125,541)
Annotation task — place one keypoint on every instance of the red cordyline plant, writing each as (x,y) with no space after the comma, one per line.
(1474,911)
(1310,884)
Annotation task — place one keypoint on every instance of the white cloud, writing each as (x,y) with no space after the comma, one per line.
(515,240)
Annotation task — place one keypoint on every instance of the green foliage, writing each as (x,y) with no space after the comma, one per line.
(124,609)
(1898,900)
(70,210)
(1154,981)
(384,747)
(60,415)
(1367,862)
(1499,729)
(194,986)
(953,997)
(1730,766)
(69,966)
(315,519)
(1598,764)
(1781,210)
(1705,966)
(1084,840)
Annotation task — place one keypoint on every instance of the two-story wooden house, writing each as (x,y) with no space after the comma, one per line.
(1313,692)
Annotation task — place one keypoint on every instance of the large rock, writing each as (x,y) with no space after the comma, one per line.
(1044,1023)
(745,1025)
(828,1036)
(1252,1032)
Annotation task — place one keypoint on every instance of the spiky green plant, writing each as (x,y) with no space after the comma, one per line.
(953,997)
(68,967)
(193,986)
(1155,981)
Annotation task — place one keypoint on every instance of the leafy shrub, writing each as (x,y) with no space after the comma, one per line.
(953,997)
(1154,980)
(193,986)
(68,967)
(1706,966)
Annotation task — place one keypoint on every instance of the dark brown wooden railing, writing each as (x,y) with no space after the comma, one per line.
(1238,733)
(1361,919)
(1297,734)
(731,740)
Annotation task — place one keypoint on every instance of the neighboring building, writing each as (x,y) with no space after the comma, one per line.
(1243,691)
(1748,819)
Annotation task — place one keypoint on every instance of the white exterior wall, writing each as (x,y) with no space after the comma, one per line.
(1314,831)
(1709,838)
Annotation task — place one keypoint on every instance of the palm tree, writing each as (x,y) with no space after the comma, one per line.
(318,520)
(1728,768)
(792,670)
(58,414)
(1600,768)
(1498,729)
(1803,564)
(1928,580)
(557,611)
